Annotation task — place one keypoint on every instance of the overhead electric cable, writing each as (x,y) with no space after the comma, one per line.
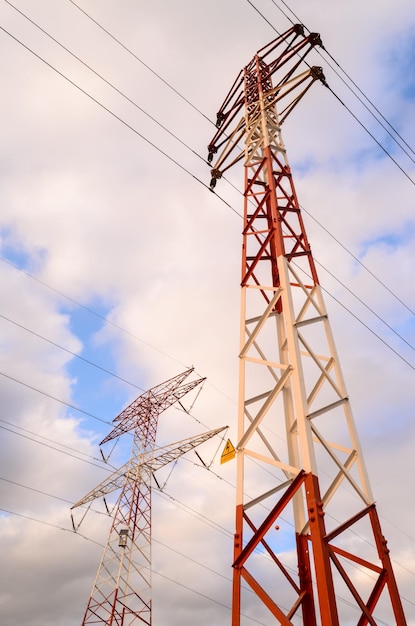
(359,262)
(74,354)
(110,84)
(178,504)
(39,521)
(48,395)
(117,117)
(377,111)
(77,533)
(58,443)
(105,466)
(204,518)
(43,493)
(388,154)
(107,32)
(104,107)
(162,493)
(140,134)
(252,619)
(107,82)
(395,332)
(385,343)
(87,309)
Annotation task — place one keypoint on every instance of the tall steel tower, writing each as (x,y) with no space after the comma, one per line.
(121,594)
(302,486)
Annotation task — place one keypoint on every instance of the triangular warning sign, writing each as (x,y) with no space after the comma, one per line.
(228,452)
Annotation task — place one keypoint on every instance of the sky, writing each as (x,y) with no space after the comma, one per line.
(120,269)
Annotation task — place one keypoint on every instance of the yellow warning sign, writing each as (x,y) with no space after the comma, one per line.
(228,452)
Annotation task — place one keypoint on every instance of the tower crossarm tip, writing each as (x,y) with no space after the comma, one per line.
(170,453)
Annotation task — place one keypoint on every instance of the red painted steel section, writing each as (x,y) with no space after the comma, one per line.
(236,583)
(266,218)
(306,581)
(383,552)
(303,589)
(324,579)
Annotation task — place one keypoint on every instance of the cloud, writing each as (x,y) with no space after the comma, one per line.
(109,222)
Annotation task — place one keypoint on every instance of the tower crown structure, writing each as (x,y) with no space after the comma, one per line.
(302,485)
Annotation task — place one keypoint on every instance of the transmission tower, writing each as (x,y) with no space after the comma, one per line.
(121,594)
(302,486)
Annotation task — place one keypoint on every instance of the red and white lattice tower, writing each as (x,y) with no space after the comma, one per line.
(121,594)
(304,502)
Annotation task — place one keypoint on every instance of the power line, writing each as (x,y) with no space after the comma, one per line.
(48,445)
(78,534)
(43,493)
(395,332)
(74,354)
(192,512)
(357,318)
(115,115)
(388,154)
(162,493)
(107,82)
(88,309)
(163,80)
(139,134)
(39,521)
(48,395)
(378,280)
(263,17)
(104,107)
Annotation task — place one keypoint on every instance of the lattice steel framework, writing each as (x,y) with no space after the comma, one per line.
(121,594)
(302,486)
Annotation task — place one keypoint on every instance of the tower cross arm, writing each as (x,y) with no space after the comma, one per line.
(153,460)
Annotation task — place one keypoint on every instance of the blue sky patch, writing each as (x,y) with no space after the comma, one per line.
(12,250)
(96,391)
(392,240)
(401,62)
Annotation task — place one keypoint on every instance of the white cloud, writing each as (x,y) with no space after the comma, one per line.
(91,209)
